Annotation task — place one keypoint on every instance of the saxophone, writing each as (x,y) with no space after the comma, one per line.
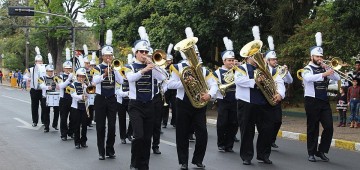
(192,76)
(267,86)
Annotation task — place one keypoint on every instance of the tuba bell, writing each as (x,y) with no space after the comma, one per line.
(267,86)
(197,85)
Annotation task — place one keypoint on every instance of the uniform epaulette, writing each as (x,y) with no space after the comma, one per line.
(216,75)
(209,75)
(276,74)
(241,70)
(41,80)
(174,68)
(94,72)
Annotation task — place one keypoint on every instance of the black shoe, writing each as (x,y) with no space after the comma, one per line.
(264,160)
(322,156)
(184,166)
(46,130)
(64,138)
(123,141)
(111,156)
(221,149)
(174,126)
(246,162)
(84,145)
(236,139)
(130,138)
(161,132)
(71,136)
(229,150)
(77,146)
(34,124)
(273,145)
(132,167)
(156,151)
(55,127)
(164,126)
(311,158)
(200,166)
(101,157)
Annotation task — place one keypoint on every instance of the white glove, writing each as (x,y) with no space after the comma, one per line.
(70,76)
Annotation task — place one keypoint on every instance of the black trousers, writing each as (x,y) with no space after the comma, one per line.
(277,121)
(318,111)
(80,120)
(65,108)
(36,97)
(142,121)
(122,109)
(262,115)
(105,108)
(46,112)
(91,113)
(227,123)
(158,105)
(190,117)
(170,97)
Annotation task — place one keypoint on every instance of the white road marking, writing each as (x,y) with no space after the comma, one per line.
(17,99)
(169,143)
(26,124)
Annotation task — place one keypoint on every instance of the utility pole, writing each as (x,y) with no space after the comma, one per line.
(27,41)
(102,29)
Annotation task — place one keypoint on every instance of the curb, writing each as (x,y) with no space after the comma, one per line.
(337,143)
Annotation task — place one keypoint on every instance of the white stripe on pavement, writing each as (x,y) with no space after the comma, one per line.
(16,99)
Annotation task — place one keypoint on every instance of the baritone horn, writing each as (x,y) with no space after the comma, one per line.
(229,78)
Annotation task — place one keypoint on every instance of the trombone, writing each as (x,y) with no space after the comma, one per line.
(158,58)
(336,64)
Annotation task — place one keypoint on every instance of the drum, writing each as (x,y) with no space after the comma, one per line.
(52,99)
(91,99)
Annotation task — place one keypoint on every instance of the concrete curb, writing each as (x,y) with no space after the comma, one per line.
(337,143)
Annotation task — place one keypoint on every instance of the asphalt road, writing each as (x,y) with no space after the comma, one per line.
(24,147)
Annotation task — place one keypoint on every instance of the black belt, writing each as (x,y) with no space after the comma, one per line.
(106,97)
(140,102)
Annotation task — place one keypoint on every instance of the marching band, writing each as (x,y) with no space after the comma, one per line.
(248,94)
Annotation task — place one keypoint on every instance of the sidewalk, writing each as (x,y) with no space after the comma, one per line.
(295,128)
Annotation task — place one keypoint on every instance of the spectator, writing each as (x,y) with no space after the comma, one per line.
(1,76)
(353,96)
(19,79)
(341,107)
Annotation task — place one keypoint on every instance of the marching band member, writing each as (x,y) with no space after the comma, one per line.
(227,117)
(105,100)
(272,62)
(170,94)
(65,99)
(48,84)
(122,96)
(141,75)
(190,116)
(316,77)
(253,109)
(31,76)
(78,108)
(91,97)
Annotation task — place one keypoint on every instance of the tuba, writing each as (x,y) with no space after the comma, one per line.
(197,85)
(267,85)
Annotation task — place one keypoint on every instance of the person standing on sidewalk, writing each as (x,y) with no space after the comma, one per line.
(227,124)
(341,107)
(32,74)
(1,76)
(316,77)
(353,97)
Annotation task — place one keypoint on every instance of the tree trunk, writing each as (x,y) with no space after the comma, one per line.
(60,49)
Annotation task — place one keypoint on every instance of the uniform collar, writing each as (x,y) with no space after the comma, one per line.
(313,65)
(103,63)
(224,68)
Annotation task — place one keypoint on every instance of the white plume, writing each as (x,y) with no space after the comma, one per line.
(67,53)
(189,33)
(133,50)
(228,44)
(109,36)
(86,52)
(142,33)
(93,57)
(147,39)
(37,50)
(81,61)
(318,39)
(130,58)
(50,58)
(170,48)
(256,32)
(271,43)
